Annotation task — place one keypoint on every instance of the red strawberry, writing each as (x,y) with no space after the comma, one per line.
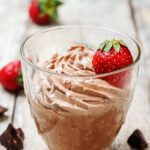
(113,55)
(11,76)
(43,12)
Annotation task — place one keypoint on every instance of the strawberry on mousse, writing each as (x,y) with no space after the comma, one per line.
(111,56)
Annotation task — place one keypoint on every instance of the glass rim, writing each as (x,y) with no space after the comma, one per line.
(36,67)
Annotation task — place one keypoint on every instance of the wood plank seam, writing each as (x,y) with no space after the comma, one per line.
(15,101)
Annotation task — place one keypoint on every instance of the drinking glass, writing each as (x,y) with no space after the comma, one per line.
(72,111)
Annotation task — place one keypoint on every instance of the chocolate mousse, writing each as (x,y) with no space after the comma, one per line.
(73,109)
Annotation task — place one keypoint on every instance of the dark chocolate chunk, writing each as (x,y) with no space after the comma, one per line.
(12,138)
(2,110)
(137,141)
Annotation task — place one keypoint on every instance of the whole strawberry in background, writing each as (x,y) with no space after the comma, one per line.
(44,12)
(111,56)
(11,76)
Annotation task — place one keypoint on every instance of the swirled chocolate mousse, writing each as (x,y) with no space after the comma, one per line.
(72,108)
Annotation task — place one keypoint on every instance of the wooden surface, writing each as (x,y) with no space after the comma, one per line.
(130,17)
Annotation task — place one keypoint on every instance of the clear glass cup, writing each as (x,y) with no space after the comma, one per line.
(75,112)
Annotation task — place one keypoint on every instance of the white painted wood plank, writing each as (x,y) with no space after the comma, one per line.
(13,16)
(139,114)
(11,30)
(142,15)
(8,48)
(114,14)
(23,119)
(6,100)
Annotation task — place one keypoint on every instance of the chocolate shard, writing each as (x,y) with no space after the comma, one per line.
(12,138)
(137,141)
(2,110)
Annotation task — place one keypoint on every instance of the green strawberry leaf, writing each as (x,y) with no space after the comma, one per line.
(49,7)
(108,46)
(55,16)
(20,79)
(56,2)
(102,45)
(116,46)
(122,42)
